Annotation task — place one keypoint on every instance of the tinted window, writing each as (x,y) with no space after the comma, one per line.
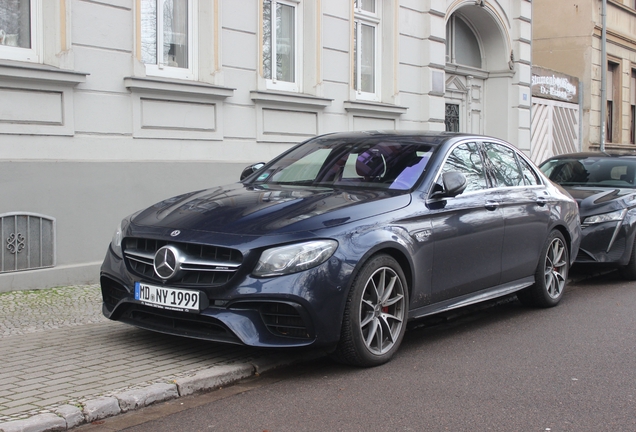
(592,171)
(503,165)
(466,159)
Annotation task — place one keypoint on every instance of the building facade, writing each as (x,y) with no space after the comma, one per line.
(567,39)
(108,106)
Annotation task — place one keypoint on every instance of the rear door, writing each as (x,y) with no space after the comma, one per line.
(523,201)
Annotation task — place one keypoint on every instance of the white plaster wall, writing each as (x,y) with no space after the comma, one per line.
(103,166)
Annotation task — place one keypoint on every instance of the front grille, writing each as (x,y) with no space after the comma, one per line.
(203,264)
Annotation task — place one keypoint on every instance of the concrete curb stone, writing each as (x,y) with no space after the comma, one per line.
(208,379)
(97,409)
(72,414)
(138,398)
(48,422)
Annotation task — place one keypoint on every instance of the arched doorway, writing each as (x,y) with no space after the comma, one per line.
(477,56)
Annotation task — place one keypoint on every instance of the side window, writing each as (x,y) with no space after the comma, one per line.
(19,30)
(167,37)
(466,159)
(529,175)
(503,165)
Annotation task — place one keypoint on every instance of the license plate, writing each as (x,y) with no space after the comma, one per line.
(167,298)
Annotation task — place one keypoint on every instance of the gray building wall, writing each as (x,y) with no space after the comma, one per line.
(87,136)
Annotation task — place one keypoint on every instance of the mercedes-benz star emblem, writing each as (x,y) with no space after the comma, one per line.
(175,233)
(167,262)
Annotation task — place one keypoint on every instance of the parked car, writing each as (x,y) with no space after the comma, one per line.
(341,240)
(604,186)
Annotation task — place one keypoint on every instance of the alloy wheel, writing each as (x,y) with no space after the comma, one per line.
(382,310)
(556,268)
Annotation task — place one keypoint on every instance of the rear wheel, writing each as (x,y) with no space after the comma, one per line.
(375,315)
(551,274)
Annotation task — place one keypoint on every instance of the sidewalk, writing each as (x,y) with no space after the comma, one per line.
(63,364)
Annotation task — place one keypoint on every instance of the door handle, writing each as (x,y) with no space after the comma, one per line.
(541,201)
(491,205)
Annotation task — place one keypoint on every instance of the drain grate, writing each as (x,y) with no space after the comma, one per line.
(27,242)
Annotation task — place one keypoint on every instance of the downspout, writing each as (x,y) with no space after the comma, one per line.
(603,74)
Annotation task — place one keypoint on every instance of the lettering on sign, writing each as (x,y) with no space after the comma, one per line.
(553,85)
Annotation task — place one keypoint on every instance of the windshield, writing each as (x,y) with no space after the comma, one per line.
(591,171)
(388,163)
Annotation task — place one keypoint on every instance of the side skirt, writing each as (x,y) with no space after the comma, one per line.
(469,299)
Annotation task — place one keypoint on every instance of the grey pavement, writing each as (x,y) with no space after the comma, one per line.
(63,364)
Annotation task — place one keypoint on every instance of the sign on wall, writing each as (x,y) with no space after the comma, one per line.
(549,84)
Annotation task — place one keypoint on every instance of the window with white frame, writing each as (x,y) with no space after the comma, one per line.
(167,37)
(280,45)
(365,49)
(19,30)
(462,46)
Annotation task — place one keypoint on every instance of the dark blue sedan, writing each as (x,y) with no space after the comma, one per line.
(341,240)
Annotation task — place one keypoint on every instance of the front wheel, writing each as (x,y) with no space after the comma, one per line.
(551,274)
(375,315)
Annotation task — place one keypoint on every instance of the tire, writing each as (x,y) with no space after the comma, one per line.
(551,275)
(375,314)
(628,271)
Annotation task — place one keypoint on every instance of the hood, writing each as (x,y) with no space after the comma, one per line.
(248,210)
(594,200)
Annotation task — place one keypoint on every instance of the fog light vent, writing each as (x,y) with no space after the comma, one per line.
(27,242)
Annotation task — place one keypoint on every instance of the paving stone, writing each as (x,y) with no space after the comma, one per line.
(21,401)
(57,341)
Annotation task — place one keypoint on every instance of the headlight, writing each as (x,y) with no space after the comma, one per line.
(617,215)
(294,258)
(115,243)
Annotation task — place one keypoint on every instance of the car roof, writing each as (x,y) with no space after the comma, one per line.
(439,137)
(597,154)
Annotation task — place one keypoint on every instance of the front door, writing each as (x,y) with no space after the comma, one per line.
(467,231)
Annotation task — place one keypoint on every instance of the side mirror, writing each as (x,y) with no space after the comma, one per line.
(248,171)
(453,182)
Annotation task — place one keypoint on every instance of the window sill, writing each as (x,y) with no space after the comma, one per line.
(374,108)
(272,97)
(35,72)
(174,86)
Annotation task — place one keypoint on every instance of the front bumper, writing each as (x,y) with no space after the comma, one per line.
(297,310)
(608,242)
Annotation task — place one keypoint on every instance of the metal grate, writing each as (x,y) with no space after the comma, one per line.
(284,320)
(28,242)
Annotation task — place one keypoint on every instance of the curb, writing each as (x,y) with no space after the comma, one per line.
(66,417)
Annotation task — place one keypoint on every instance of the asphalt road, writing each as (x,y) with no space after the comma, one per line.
(503,368)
